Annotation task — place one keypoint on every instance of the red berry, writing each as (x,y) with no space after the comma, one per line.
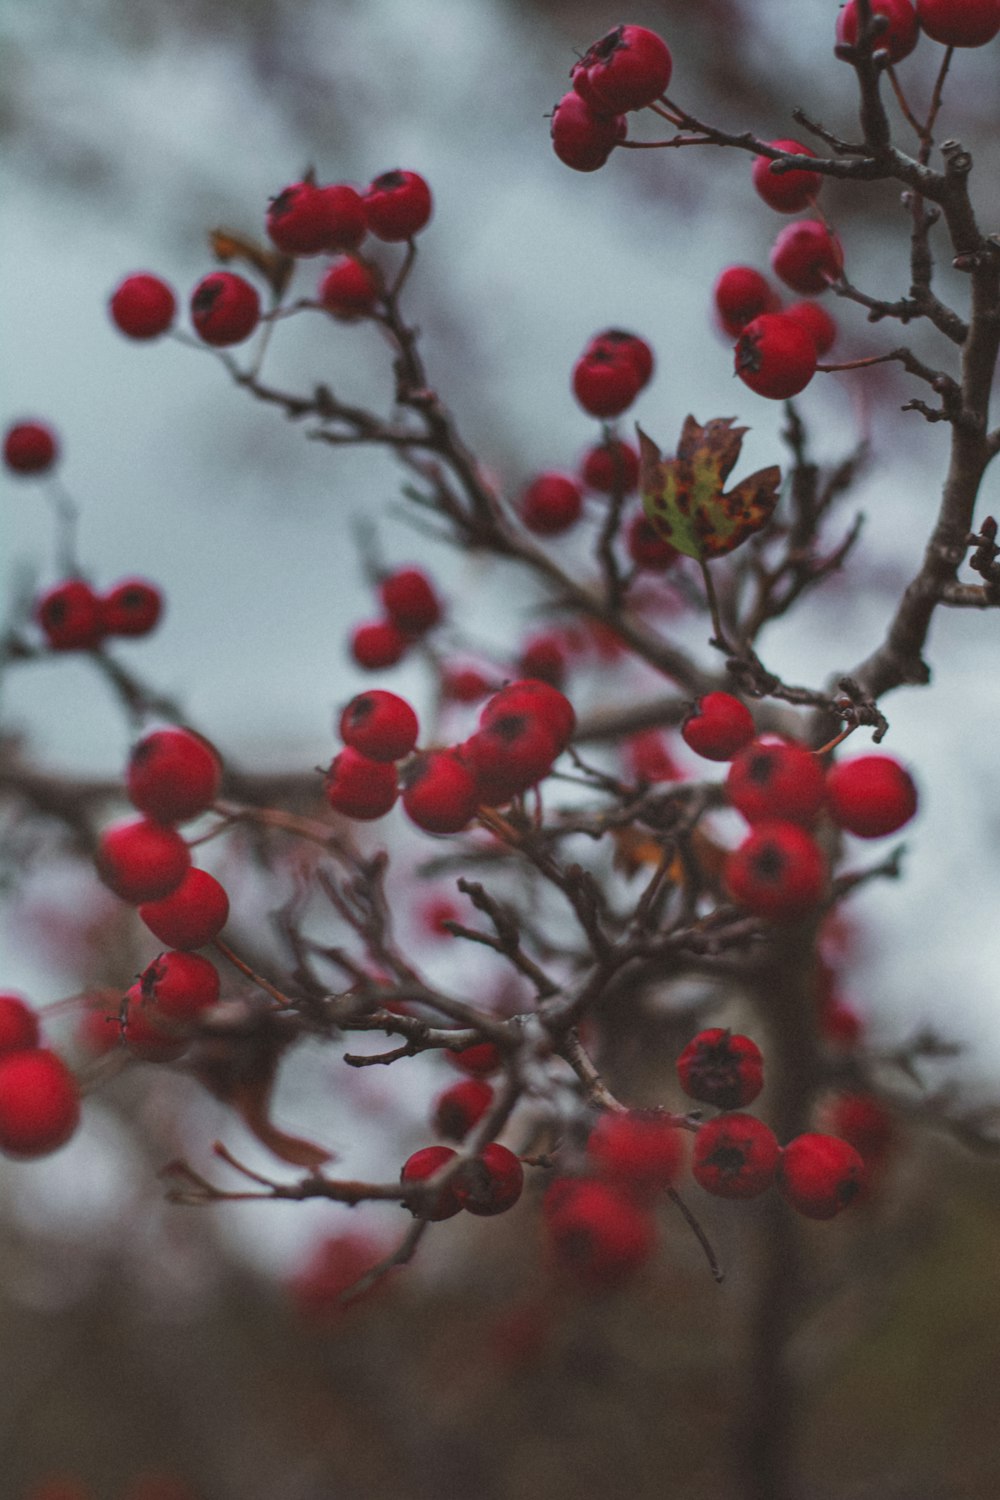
(819,1175)
(807,257)
(611,468)
(636,1148)
(740,295)
(650,551)
(509,755)
(147,1035)
(619,342)
(334,1265)
(735,1156)
(627,69)
(787,192)
(871,795)
(551,504)
(718,727)
(423,1164)
(349,290)
(141,860)
(960,23)
(180,985)
(775,356)
(491,1182)
(649,759)
(143,306)
(773,779)
(192,915)
(720,1068)
(864,1123)
(605,382)
(536,699)
(39,1103)
(380,725)
(599,1232)
(360,787)
(584,138)
(480,1060)
(345,216)
(544,657)
(817,322)
(30,448)
(18,1025)
(378,644)
(901,32)
(173,775)
(225,308)
(440,792)
(70,616)
(777,872)
(398,205)
(409,600)
(133,607)
(305,219)
(464,684)
(458,1108)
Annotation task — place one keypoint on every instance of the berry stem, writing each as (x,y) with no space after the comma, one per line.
(244,968)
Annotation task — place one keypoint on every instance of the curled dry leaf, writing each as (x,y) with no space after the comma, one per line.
(684,498)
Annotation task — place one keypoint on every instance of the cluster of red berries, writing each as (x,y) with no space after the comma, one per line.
(612,370)
(954,23)
(73,617)
(412,608)
(39,1096)
(488,1184)
(626,70)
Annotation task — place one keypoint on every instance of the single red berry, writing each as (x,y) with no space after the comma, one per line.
(537,699)
(332,1268)
(409,600)
(718,727)
(735,1156)
(777,872)
(180,985)
(807,257)
(611,468)
(143,306)
(141,860)
(636,1148)
(650,551)
(871,795)
(819,1175)
(627,69)
(360,787)
(741,294)
(378,644)
(508,755)
(864,1123)
(70,616)
(436,914)
(787,192)
(544,657)
(417,1168)
(960,23)
(604,382)
(817,322)
(225,308)
(380,725)
(480,1060)
(440,791)
(464,684)
(598,1232)
(398,205)
(775,356)
(620,343)
(19,1028)
(772,779)
(30,448)
(461,1106)
(173,775)
(192,915)
(132,607)
(491,1182)
(305,219)
(583,138)
(649,759)
(39,1103)
(345,216)
(551,504)
(349,290)
(98,1028)
(145,1033)
(899,35)
(720,1068)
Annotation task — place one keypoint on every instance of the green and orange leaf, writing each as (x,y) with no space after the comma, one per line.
(684,497)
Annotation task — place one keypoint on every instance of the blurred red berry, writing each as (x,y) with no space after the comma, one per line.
(820,1175)
(192,915)
(30,448)
(787,192)
(398,205)
(720,1068)
(225,308)
(735,1156)
(173,775)
(143,306)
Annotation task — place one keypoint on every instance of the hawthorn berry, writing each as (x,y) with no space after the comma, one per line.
(600,1233)
(787,192)
(777,872)
(720,1068)
(491,1182)
(480,1060)
(464,684)
(508,755)
(817,322)
(30,448)
(398,205)
(611,468)
(807,257)
(864,1123)
(409,600)
(551,504)
(180,985)
(649,759)
(536,699)
(627,69)
(192,915)
(960,23)
(741,294)
(898,37)
(143,306)
(735,1156)
(619,342)
(772,778)
(70,616)
(718,727)
(132,608)
(39,1103)
(345,215)
(650,551)
(775,356)
(380,725)
(141,860)
(144,1033)
(583,138)
(544,658)
(636,1148)
(871,795)
(423,1164)
(378,644)
(349,289)
(360,787)
(461,1106)
(305,218)
(440,791)
(19,1028)
(819,1175)
(332,1268)
(173,775)
(605,382)
(225,308)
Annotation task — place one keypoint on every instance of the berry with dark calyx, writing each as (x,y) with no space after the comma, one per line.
(650,551)
(551,504)
(619,342)
(360,787)
(807,257)
(539,699)
(627,69)
(491,1182)
(777,872)
(899,36)
(378,644)
(39,1103)
(871,795)
(305,219)
(409,600)
(461,1106)
(864,1123)
(131,608)
(718,727)
(143,306)
(772,778)
(636,1148)
(192,915)
(611,468)
(817,322)
(30,448)
(225,308)
(735,1156)
(787,192)
(70,616)
(440,791)
(173,775)
(508,755)
(418,1168)
(141,860)
(720,1068)
(380,725)
(598,1232)
(481,1060)
(544,657)
(180,985)
(583,138)
(741,294)
(960,23)
(349,290)
(605,382)
(398,205)
(19,1028)
(146,1035)
(819,1175)
(775,356)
